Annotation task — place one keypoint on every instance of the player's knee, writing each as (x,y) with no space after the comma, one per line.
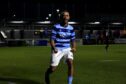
(70,63)
(52,68)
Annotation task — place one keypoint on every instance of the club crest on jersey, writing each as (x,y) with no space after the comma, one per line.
(62,35)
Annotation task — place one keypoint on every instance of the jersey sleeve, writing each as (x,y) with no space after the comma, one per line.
(72,35)
(53,33)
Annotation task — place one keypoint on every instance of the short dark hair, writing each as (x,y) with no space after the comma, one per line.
(62,12)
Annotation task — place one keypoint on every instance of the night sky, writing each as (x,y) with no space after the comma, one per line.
(29,9)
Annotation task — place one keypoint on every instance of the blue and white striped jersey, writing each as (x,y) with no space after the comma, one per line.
(62,35)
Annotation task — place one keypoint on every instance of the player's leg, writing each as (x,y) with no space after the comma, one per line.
(70,67)
(70,70)
(55,59)
(48,72)
(106,47)
(107,44)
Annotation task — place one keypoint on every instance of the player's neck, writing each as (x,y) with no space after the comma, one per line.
(64,24)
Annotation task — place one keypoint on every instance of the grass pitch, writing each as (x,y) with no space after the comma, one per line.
(93,65)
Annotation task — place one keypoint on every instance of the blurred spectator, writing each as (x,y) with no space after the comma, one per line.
(87,38)
(98,37)
(117,33)
(45,32)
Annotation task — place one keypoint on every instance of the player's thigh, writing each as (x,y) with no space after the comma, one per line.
(69,54)
(55,58)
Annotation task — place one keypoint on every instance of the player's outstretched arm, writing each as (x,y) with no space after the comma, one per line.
(52,43)
(73,46)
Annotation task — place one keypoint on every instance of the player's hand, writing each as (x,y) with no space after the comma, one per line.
(73,50)
(55,50)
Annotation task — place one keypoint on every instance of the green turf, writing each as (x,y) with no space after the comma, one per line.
(26,65)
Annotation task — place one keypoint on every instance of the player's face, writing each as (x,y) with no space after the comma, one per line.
(66,16)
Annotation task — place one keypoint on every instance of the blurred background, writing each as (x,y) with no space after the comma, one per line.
(28,22)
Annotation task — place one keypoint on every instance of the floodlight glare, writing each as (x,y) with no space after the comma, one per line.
(94,22)
(44,22)
(50,15)
(17,22)
(47,18)
(72,22)
(58,10)
(116,23)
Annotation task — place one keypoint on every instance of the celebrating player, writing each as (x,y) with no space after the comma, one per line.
(63,45)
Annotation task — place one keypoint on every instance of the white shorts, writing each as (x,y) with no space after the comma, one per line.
(56,57)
